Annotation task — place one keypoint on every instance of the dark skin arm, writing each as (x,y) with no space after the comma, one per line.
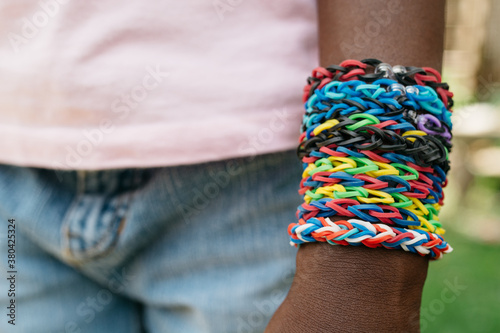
(357,289)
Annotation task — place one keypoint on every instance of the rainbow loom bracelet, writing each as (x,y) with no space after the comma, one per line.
(374,146)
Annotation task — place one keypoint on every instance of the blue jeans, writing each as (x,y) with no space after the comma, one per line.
(198,248)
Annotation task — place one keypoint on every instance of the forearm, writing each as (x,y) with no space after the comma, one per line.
(358,289)
(352,289)
(401,32)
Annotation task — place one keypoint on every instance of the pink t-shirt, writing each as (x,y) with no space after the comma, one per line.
(113,84)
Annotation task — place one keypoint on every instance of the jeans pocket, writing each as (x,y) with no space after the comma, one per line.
(93,225)
(94,222)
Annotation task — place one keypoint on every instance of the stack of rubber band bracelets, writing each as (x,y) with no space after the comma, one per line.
(374,146)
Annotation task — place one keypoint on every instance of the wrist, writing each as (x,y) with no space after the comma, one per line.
(387,270)
(334,284)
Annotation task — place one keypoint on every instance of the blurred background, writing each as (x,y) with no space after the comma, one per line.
(462,292)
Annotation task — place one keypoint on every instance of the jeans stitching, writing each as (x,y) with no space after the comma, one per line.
(65,225)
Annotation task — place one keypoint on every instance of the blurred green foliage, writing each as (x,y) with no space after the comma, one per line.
(475,268)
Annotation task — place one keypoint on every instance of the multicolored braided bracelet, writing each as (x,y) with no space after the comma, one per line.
(374,146)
